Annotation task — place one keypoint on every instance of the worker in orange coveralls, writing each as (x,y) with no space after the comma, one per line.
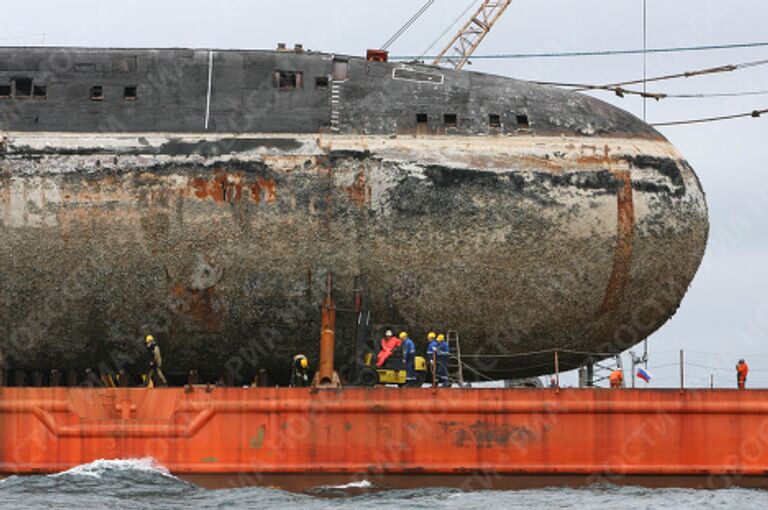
(616,378)
(388,344)
(742,369)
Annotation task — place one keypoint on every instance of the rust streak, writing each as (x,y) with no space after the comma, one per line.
(229,187)
(625,230)
(268,186)
(359,191)
(217,188)
(197,305)
(541,162)
(256,192)
(595,159)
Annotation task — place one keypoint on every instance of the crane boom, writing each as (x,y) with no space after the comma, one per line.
(457,52)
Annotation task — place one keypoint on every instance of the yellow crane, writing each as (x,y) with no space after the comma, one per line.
(457,52)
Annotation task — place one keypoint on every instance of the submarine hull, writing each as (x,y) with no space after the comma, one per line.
(219,244)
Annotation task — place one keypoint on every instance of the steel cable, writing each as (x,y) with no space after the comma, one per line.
(754,114)
(407,25)
(599,53)
(453,24)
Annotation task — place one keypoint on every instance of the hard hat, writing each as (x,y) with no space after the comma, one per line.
(388,333)
(440,337)
(149,339)
(303,362)
(741,360)
(403,335)
(431,335)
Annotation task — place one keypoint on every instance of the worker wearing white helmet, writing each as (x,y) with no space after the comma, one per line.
(388,344)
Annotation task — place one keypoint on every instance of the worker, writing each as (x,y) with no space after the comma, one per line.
(409,358)
(432,351)
(388,345)
(742,369)
(155,375)
(299,373)
(437,354)
(616,378)
(442,360)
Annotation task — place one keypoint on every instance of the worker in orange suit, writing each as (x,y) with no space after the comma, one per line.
(388,345)
(742,369)
(616,378)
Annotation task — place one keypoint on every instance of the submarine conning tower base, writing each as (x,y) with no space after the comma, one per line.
(525,217)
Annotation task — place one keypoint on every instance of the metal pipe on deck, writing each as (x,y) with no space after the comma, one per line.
(326,376)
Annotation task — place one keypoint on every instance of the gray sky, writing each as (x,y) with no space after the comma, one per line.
(725,314)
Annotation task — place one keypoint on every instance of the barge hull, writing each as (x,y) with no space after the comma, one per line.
(496,437)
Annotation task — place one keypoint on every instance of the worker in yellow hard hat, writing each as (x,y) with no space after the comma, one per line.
(155,374)
(437,353)
(409,358)
(299,372)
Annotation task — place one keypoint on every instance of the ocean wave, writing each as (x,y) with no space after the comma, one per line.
(99,468)
(362,484)
(355,488)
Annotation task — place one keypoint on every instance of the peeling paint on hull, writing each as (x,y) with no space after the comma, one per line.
(218,244)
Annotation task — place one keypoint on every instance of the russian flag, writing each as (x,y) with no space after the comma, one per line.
(644,374)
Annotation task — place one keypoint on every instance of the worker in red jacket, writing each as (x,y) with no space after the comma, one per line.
(388,344)
(742,369)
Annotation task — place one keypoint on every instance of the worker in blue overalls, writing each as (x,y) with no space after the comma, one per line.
(438,350)
(409,358)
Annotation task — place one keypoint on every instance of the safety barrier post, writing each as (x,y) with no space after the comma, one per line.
(55,378)
(557,371)
(434,369)
(682,371)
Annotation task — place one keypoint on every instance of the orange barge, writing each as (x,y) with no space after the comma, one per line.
(474,438)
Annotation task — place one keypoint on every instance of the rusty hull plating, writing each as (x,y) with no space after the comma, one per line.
(249,436)
(569,224)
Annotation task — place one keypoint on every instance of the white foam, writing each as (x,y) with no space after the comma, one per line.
(97,468)
(362,484)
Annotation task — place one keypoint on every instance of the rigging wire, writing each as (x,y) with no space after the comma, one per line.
(407,24)
(753,113)
(705,95)
(689,74)
(543,351)
(448,29)
(600,53)
(620,91)
(645,61)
